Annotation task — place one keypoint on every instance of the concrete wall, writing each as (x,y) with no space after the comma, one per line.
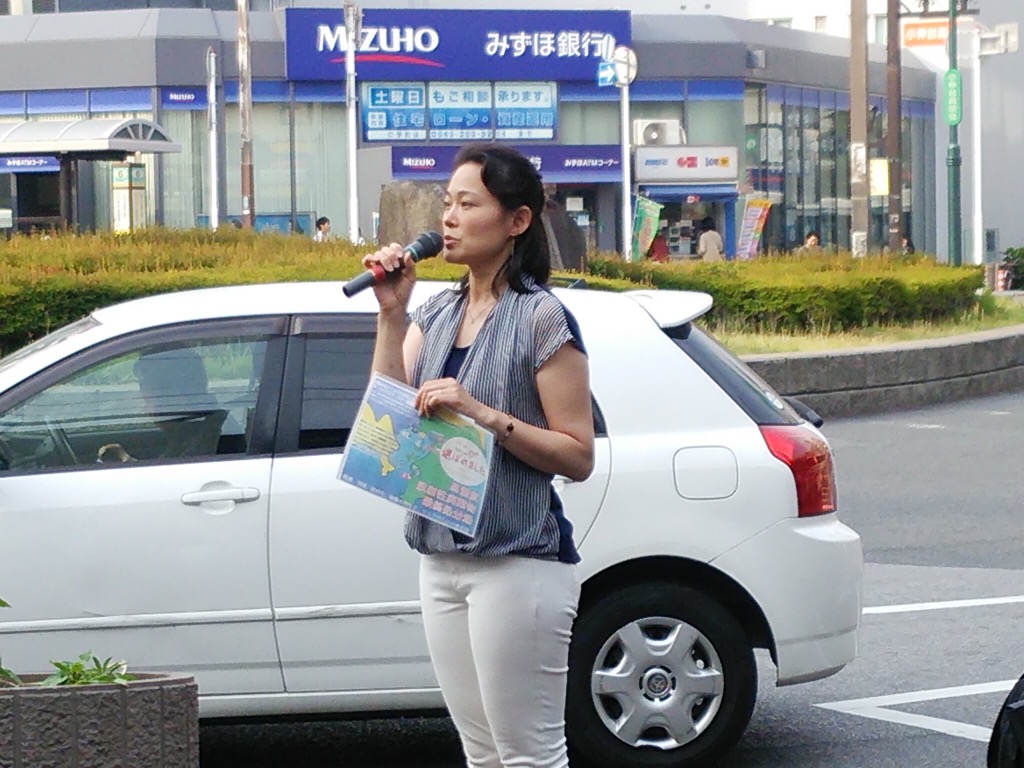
(899,376)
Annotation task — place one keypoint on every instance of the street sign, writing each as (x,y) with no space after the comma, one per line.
(624,62)
(605,73)
(952,97)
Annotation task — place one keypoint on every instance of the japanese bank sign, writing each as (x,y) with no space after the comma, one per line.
(558,164)
(432,45)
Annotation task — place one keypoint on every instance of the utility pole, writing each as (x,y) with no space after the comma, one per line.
(894,126)
(859,180)
(353,24)
(953,108)
(245,116)
(211,127)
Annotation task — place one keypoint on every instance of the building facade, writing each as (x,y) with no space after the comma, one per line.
(433,76)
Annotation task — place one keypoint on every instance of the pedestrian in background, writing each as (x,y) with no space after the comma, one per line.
(323,230)
(709,245)
(501,349)
(812,242)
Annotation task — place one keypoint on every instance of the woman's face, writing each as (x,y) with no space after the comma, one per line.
(477,229)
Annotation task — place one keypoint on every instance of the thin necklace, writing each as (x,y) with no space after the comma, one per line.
(474,317)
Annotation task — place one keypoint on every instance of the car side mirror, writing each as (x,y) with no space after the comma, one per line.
(804,411)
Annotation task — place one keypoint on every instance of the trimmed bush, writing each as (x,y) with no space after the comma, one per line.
(47,282)
(820,293)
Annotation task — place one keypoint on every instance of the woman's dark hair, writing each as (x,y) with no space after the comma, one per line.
(708,223)
(515,182)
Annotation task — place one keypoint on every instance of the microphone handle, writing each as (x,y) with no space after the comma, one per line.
(370,277)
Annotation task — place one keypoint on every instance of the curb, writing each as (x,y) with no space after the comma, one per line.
(898,376)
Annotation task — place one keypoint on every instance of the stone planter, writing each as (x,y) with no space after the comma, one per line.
(151,722)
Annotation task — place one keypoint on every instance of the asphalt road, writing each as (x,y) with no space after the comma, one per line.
(933,494)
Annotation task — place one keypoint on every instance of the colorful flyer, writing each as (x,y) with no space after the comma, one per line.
(435,467)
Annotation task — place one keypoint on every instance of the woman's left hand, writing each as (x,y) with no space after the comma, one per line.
(446,393)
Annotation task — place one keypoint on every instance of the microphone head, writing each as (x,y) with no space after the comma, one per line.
(425,246)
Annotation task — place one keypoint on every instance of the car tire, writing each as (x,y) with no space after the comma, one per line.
(660,676)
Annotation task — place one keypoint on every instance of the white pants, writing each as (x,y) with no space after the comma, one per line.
(498,630)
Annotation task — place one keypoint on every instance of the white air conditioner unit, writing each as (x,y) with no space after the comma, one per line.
(647,133)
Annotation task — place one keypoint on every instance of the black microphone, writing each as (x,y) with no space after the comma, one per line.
(423,247)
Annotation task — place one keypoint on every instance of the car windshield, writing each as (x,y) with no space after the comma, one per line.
(750,392)
(51,339)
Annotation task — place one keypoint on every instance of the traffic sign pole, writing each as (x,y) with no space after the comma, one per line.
(954,112)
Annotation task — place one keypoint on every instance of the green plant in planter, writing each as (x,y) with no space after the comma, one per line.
(85,670)
(6,676)
(82,672)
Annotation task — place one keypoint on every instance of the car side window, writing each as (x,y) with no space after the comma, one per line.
(162,402)
(336,372)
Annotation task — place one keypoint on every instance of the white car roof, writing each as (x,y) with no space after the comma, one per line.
(667,308)
(600,312)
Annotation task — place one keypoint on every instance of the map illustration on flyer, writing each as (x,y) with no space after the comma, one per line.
(435,467)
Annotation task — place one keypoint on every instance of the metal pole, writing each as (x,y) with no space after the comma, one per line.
(859,180)
(352,35)
(211,124)
(245,116)
(953,158)
(977,213)
(627,186)
(894,127)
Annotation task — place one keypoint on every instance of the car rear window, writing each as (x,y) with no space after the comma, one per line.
(750,392)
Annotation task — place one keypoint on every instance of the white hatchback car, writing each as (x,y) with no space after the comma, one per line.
(707,529)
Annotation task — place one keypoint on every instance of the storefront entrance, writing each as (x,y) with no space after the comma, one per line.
(686,207)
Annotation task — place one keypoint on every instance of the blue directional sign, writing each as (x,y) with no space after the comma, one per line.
(460,111)
(394,112)
(605,73)
(525,110)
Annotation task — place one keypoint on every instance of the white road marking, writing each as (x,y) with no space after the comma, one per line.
(926,426)
(999,413)
(942,605)
(876,708)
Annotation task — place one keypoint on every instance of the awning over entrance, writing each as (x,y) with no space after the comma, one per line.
(692,193)
(85,138)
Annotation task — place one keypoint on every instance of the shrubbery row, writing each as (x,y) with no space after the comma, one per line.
(48,282)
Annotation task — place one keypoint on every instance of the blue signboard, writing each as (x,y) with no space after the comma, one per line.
(394,112)
(182,98)
(422,45)
(29,165)
(460,111)
(526,110)
(580,164)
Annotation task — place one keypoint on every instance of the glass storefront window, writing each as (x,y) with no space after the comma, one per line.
(272,162)
(592,122)
(186,174)
(321,175)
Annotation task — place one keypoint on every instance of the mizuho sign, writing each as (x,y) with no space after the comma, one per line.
(379,39)
(420,45)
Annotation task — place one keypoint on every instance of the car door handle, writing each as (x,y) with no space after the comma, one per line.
(220,494)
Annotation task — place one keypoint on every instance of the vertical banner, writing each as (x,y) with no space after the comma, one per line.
(645,226)
(128,197)
(755,214)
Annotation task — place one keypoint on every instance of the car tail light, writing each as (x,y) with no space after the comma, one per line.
(809,459)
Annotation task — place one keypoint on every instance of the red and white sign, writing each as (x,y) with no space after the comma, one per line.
(687,164)
(922,34)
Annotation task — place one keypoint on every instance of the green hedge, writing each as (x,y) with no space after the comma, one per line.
(48,282)
(827,293)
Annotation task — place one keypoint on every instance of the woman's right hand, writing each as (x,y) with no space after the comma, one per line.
(394,291)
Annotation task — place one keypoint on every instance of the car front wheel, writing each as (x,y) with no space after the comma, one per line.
(660,676)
